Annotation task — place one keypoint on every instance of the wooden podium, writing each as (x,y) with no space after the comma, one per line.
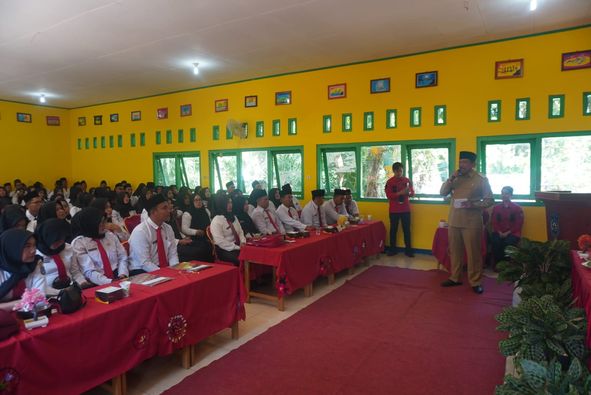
(568,215)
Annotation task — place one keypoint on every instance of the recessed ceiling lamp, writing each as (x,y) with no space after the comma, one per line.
(533,4)
(42,98)
(195,68)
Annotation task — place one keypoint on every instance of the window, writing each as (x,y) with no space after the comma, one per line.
(365,168)
(177,168)
(273,166)
(537,162)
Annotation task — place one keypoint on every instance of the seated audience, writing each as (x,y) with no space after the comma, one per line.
(507,221)
(13,216)
(226,231)
(335,207)
(350,204)
(51,209)
(33,203)
(194,224)
(113,221)
(123,205)
(313,213)
(82,201)
(288,215)
(274,198)
(100,254)
(264,218)
(240,209)
(296,202)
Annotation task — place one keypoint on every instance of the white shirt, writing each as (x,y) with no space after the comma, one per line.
(333,211)
(310,214)
(290,218)
(262,220)
(50,267)
(90,261)
(33,280)
(144,216)
(222,234)
(186,223)
(32,222)
(74,210)
(143,246)
(353,208)
(296,204)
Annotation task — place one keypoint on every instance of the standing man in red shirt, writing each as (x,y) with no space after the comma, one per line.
(398,190)
(507,221)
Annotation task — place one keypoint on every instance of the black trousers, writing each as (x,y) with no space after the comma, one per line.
(405,219)
(228,256)
(499,244)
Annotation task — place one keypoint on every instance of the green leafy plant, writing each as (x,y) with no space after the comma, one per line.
(546,379)
(540,330)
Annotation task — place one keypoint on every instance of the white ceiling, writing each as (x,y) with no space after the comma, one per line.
(95,51)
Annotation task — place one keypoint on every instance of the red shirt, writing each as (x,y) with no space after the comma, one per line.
(506,218)
(399,203)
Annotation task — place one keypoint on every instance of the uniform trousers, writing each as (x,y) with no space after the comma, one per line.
(470,239)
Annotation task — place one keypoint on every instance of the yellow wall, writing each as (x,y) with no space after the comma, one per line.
(466,84)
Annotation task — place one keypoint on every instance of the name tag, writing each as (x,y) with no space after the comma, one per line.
(93,249)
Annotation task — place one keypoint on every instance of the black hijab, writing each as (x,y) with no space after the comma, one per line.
(11,216)
(49,232)
(246,222)
(47,211)
(199,217)
(86,223)
(180,200)
(12,243)
(122,208)
(276,202)
(220,205)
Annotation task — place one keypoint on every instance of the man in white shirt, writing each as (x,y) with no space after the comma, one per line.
(152,243)
(335,207)
(264,218)
(313,212)
(33,203)
(288,214)
(350,204)
(295,201)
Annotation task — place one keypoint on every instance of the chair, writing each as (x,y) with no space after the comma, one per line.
(132,221)
(213,250)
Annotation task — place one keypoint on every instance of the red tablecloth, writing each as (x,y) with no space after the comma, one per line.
(299,263)
(77,352)
(581,278)
(440,248)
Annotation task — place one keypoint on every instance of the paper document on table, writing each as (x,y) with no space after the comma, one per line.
(458,202)
(156,280)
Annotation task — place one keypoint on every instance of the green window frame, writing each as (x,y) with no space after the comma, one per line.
(239,171)
(215,130)
(229,134)
(368,121)
(327,124)
(359,162)
(440,115)
(95,142)
(260,129)
(276,129)
(415,117)
(103,142)
(79,144)
(182,169)
(193,135)
(132,140)
(347,122)
(120,141)
(556,106)
(87,143)
(180,136)
(158,137)
(111,141)
(142,139)
(391,119)
(292,126)
(522,109)
(169,136)
(586,104)
(494,110)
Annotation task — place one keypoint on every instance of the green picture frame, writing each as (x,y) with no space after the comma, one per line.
(260,129)
(416,117)
(169,136)
(276,128)
(522,109)
(391,118)
(215,131)
(368,121)
(192,135)
(79,144)
(292,126)
(120,141)
(86,143)
(327,124)
(586,104)
(158,137)
(132,140)
(556,106)
(440,115)
(494,111)
(180,136)
(111,141)
(103,142)
(347,122)
(142,139)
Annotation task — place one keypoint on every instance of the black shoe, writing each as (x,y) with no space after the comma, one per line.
(409,254)
(478,289)
(450,283)
(391,253)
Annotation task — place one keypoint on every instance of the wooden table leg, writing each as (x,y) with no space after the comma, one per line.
(117,385)
(235,332)
(330,279)
(186,356)
(280,303)
(308,290)
(247,280)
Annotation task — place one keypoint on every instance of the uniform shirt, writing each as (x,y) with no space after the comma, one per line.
(296,204)
(50,268)
(143,246)
(74,210)
(310,215)
(290,218)
(144,215)
(399,203)
(332,211)
(186,223)
(260,217)
(34,280)
(507,217)
(222,234)
(352,209)
(474,187)
(89,257)
(32,222)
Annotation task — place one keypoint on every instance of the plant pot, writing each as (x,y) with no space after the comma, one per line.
(26,315)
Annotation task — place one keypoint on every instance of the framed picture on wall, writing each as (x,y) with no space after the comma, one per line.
(221,105)
(98,120)
(114,117)
(162,113)
(576,60)
(81,121)
(426,79)
(251,101)
(512,68)
(24,117)
(381,85)
(337,91)
(186,110)
(136,115)
(282,98)
(52,120)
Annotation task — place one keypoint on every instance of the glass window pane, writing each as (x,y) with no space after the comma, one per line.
(168,176)
(192,170)
(509,165)
(566,164)
(342,171)
(290,171)
(228,166)
(376,168)
(254,167)
(430,168)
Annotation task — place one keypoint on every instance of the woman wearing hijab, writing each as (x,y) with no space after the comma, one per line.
(114,222)
(274,198)
(206,197)
(51,210)
(59,264)
(194,222)
(82,201)
(123,205)
(183,200)
(19,266)
(226,231)
(142,203)
(101,256)
(240,208)
(13,216)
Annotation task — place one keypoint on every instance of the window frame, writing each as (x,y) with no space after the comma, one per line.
(180,171)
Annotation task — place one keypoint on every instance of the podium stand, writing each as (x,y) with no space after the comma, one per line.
(568,215)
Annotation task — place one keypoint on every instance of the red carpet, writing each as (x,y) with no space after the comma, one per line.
(387,331)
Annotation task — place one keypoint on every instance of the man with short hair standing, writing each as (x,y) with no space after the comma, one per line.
(470,194)
(398,190)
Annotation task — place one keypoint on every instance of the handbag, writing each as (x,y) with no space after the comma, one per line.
(70,299)
(269,241)
(8,325)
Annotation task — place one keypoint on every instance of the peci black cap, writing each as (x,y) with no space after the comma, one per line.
(318,193)
(471,156)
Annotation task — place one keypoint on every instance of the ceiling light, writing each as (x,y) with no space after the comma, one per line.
(42,98)
(195,68)
(533,4)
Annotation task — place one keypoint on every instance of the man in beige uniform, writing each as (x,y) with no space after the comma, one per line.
(470,194)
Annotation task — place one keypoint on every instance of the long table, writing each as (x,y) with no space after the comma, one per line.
(77,352)
(299,263)
(581,278)
(440,248)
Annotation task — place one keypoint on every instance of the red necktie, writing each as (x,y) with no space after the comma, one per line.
(272,222)
(320,217)
(61,268)
(289,212)
(163,262)
(105,258)
(19,289)
(236,237)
